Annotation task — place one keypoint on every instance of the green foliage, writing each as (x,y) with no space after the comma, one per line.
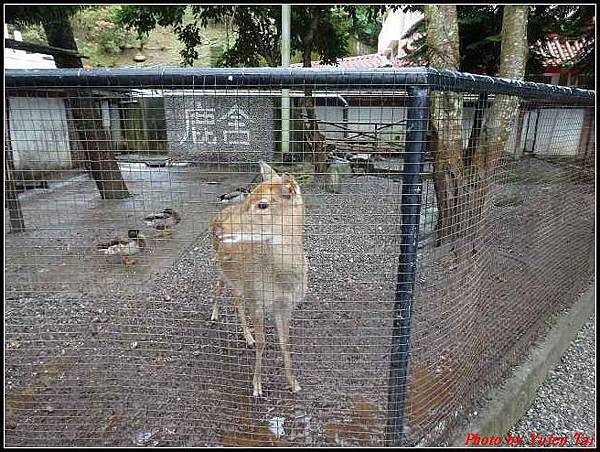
(99,34)
(96,28)
(480,29)
(366,22)
(322,29)
(187,27)
(256,35)
(145,18)
(325,30)
(31,33)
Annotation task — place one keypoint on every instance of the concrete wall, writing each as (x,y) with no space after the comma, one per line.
(219,128)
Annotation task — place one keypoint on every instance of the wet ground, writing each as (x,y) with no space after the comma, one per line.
(65,222)
(101,354)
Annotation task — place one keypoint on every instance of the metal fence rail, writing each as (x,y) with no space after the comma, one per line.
(431,265)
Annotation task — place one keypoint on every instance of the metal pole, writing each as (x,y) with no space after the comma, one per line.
(345,107)
(15,214)
(285,62)
(535,131)
(290,78)
(416,136)
(529,113)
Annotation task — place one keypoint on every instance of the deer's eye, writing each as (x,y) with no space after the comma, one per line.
(262,205)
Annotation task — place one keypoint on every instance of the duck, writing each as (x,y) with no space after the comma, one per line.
(134,244)
(163,221)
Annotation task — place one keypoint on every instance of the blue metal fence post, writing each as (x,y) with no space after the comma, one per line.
(416,135)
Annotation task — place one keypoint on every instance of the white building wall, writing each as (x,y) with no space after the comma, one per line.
(558,129)
(39,134)
(395,25)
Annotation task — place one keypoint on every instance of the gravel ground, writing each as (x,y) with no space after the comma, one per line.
(140,363)
(565,403)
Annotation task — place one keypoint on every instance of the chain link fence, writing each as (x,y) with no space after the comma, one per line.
(445,219)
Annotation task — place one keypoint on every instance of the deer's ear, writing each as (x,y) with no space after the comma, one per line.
(289,186)
(267,172)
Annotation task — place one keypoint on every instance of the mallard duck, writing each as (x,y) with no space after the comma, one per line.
(235,196)
(134,244)
(163,221)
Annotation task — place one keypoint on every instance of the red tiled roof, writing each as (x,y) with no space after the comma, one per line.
(557,52)
(371,61)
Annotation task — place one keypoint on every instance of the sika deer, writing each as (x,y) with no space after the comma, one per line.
(260,253)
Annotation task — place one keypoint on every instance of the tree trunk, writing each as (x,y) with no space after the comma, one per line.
(462,180)
(446,113)
(519,140)
(480,108)
(497,127)
(59,33)
(93,138)
(96,143)
(315,137)
(501,117)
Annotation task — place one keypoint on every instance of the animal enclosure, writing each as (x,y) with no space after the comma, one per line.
(447,219)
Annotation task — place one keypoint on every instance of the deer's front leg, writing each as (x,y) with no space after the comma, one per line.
(217,294)
(259,327)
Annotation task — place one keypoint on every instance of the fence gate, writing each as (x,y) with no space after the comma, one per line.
(436,251)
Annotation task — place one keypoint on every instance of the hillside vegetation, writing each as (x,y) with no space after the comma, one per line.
(108,44)
(100,37)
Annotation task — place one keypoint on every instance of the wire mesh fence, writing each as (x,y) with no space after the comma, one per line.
(408,236)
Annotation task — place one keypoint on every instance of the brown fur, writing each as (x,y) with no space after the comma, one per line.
(267,269)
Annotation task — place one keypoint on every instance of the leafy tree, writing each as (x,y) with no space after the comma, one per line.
(147,17)
(324,30)
(366,23)
(56,23)
(93,138)
(480,35)
(460,183)
(568,22)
